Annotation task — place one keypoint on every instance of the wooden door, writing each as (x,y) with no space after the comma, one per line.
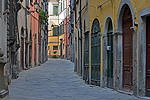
(95,53)
(30,54)
(127,51)
(22,53)
(110,56)
(86,58)
(61,49)
(148,56)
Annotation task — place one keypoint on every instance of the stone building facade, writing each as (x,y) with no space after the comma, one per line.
(3,50)
(16,43)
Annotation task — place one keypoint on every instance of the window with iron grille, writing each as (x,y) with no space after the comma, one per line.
(55,47)
(55,10)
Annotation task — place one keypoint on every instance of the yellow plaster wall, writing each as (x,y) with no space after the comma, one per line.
(53,41)
(110,8)
(62,36)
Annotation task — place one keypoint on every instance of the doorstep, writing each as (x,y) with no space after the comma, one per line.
(3,93)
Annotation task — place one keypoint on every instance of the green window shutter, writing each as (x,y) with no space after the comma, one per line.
(61,6)
(58,30)
(54,31)
(62,28)
(55,10)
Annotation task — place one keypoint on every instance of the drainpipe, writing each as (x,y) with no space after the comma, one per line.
(80,23)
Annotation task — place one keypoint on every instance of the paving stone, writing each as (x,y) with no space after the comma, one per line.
(56,80)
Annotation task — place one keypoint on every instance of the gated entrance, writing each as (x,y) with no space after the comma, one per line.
(148,56)
(110,56)
(86,57)
(127,51)
(95,53)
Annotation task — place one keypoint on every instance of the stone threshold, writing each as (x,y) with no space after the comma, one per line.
(3,93)
(146,98)
(124,92)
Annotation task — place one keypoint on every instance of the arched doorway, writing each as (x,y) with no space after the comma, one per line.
(147,56)
(30,48)
(95,53)
(26,50)
(127,50)
(22,48)
(110,54)
(86,54)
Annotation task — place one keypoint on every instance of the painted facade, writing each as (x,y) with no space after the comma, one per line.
(24,33)
(58,34)
(34,17)
(43,38)
(116,32)
(16,46)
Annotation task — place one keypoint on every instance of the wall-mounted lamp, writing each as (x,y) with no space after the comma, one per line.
(36,6)
(52,26)
(99,6)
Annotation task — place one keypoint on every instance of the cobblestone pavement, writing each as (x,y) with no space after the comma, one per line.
(56,80)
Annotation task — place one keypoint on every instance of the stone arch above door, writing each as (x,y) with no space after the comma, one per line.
(121,9)
(95,26)
(108,18)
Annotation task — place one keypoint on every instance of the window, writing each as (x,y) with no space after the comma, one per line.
(27,4)
(48,47)
(55,10)
(5,4)
(55,47)
(56,31)
(63,4)
(68,11)
(61,7)
(31,1)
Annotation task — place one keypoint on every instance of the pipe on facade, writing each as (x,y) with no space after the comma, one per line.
(80,23)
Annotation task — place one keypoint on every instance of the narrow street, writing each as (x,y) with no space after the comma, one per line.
(56,80)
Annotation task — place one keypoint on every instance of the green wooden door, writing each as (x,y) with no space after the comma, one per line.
(86,58)
(110,56)
(95,53)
